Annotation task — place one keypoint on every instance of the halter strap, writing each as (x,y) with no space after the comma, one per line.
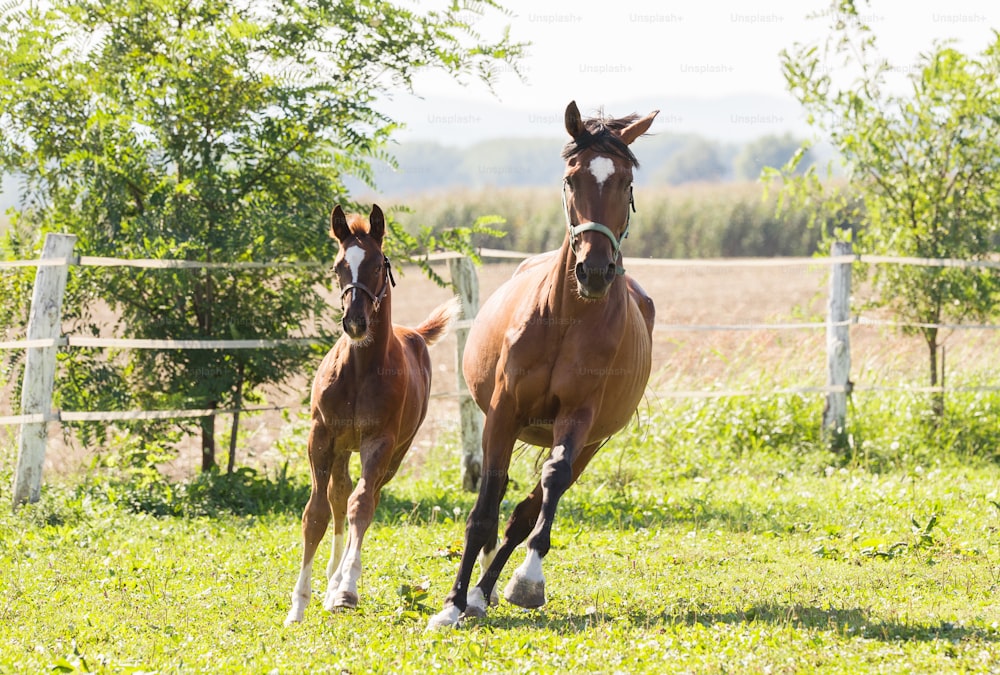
(590,226)
(376,299)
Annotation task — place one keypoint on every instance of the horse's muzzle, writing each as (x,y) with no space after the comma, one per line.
(355,327)
(594,282)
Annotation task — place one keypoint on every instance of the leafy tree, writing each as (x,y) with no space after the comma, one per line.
(923,167)
(210,131)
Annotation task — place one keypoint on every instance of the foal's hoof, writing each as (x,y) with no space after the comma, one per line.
(526,593)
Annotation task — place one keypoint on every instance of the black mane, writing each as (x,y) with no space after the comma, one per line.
(601,137)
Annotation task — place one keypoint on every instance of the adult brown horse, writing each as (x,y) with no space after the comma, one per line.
(558,357)
(370,395)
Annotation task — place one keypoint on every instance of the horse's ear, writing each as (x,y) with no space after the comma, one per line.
(638,128)
(574,125)
(338,224)
(376,223)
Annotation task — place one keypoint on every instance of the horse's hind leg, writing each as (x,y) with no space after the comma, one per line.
(527,584)
(340,488)
(315,516)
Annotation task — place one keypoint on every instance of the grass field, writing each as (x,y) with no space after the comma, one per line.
(712,536)
(757,551)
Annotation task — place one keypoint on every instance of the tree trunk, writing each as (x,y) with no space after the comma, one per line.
(208,441)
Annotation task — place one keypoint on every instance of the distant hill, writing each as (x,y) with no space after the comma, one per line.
(449,144)
(666,159)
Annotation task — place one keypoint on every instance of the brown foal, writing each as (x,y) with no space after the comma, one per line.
(369,396)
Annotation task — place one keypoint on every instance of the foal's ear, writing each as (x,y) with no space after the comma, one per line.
(338,224)
(638,128)
(376,224)
(574,125)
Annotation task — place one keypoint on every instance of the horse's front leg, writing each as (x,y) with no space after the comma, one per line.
(499,435)
(527,584)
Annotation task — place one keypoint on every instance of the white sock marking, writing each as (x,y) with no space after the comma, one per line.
(531,568)
(476,599)
(446,618)
(300,595)
(336,554)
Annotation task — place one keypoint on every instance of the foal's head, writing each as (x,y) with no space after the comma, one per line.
(597,190)
(362,270)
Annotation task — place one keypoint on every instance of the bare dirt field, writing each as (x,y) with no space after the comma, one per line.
(685,360)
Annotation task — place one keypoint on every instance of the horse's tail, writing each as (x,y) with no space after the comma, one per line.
(435,326)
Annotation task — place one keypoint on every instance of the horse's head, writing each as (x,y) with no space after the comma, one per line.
(597,192)
(362,270)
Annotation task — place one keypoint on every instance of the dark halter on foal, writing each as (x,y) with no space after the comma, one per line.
(616,243)
(376,299)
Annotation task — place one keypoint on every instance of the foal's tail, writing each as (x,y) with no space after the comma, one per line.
(436,325)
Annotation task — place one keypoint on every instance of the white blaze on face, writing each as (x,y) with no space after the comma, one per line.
(601,168)
(354,256)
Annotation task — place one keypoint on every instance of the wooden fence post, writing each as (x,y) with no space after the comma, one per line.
(838,346)
(463,276)
(44,322)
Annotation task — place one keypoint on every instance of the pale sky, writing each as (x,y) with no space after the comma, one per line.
(602,53)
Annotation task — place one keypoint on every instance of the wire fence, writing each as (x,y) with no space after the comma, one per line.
(78,341)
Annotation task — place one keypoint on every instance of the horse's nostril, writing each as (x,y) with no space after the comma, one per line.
(581,273)
(355,327)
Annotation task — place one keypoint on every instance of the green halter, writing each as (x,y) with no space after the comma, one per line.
(616,243)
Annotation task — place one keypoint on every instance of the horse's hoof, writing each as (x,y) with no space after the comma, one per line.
(475,604)
(293,618)
(473,612)
(345,600)
(446,618)
(525,592)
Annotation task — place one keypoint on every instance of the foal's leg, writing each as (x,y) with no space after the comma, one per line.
(499,435)
(315,516)
(377,462)
(527,584)
(340,488)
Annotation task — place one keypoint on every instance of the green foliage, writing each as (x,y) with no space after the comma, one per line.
(924,166)
(215,132)
(697,221)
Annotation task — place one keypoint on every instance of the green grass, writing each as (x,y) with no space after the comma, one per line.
(714,536)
